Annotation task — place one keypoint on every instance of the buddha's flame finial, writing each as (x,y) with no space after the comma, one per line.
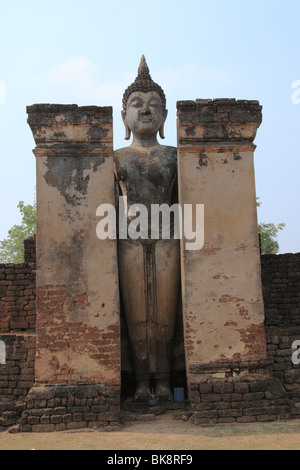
(143,69)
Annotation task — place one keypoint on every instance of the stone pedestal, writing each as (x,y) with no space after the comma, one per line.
(222,296)
(78,331)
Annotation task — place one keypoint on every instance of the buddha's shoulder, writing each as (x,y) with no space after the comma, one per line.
(122,150)
(165,153)
(169,149)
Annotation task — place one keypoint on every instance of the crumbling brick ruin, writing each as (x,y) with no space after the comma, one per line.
(274,395)
(64,355)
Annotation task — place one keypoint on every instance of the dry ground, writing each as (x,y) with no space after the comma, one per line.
(164,433)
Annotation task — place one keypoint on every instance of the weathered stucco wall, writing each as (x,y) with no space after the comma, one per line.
(222,296)
(77,274)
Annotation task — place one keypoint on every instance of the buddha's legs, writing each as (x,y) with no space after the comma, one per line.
(167,255)
(149,277)
(131,271)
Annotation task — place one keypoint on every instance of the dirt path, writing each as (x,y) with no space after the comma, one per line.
(164,433)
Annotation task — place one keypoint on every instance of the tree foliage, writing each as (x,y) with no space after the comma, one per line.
(268,235)
(12,248)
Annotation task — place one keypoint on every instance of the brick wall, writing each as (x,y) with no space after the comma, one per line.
(17,334)
(240,400)
(281,289)
(17,297)
(59,407)
(16,376)
(30,249)
(18,292)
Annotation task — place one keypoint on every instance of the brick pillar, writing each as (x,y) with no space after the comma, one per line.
(78,331)
(222,296)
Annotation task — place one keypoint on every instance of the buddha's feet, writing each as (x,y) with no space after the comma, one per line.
(163,392)
(142,393)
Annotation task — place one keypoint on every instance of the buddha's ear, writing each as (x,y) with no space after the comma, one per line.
(162,127)
(127,130)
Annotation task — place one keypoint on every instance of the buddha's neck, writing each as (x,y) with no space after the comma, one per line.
(145,143)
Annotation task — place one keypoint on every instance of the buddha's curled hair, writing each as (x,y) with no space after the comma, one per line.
(144,83)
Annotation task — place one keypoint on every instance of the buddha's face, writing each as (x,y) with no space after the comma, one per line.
(145,114)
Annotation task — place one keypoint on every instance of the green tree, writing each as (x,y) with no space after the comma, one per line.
(12,248)
(268,235)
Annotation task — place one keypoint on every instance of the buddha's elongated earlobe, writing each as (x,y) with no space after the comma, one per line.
(161,131)
(162,127)
(127,130)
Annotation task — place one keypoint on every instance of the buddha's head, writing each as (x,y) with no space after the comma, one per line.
(144,106)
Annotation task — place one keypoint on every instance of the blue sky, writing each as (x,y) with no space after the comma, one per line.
(88,52)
